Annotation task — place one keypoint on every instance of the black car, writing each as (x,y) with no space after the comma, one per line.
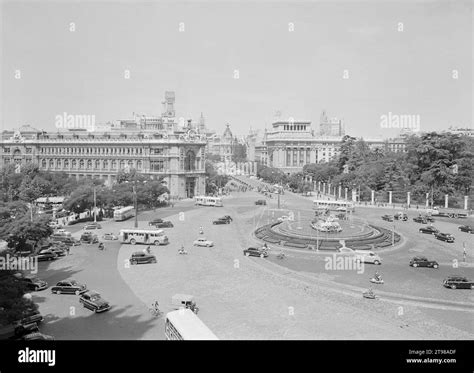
(458,282)
(429,219)
(220,221)
(89,237)
(164,224)
(446,237)
(254,251)
(69,287)
(140,257)
(226,217)
(155,221)
(46,255)
(421,261)
(59,251)
(261,202)
(93,301)
(403,217)
(29,317)
(34,283)
(429,229)
(420,219)
(466,228)
(387,217)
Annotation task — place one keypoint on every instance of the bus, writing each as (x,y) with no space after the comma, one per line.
(144,236)
(319,204)
(208,201)
(183,324)
(124,213)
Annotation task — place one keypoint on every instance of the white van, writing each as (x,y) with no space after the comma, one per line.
(369,256)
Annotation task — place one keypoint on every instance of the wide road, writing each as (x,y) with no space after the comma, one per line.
(129,318)
(253,298)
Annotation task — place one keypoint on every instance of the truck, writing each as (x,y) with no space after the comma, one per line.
(447,213)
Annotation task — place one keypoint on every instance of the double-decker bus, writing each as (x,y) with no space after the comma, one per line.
(144,236)
(124,213)
(183,324)
(208,201)
(319,204)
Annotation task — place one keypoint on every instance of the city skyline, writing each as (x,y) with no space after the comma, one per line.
(194,49)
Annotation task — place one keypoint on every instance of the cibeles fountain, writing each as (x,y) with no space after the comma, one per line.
(328,224)
(310,230)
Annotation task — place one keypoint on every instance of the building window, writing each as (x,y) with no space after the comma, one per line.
(89,164)
(301,157)
(6,150)
(157,166)
(97,164)
(105,165)
(7,160)
(66,163)
(190,161)
(288,157)
(74,163)
(81,164)
(158,151)
(295,157)
(114,165)
(308,156)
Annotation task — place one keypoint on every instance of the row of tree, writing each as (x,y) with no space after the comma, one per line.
(435,163)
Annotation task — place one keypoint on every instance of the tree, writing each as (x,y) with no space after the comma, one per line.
(21,232)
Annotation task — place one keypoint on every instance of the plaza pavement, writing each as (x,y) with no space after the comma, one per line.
(251,298)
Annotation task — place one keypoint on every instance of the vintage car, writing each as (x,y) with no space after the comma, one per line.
(446,237)
(68,287)
(429,230)
(458,282)
(139,257)
(255,251)
(421,261)
(93,301)
(203,241)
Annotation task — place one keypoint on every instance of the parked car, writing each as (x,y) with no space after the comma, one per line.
(92,226)
(155,221)
(466,228)
(55,225)
(429,229)
(46,255)
(387,217)
(220,221)
(203,241)
(139,257)
(34,283)
(255,251)
(458,282)
(71,241)
(69,287)
(429,219)
(29,317)
(421,261)
(420,219)
(37,336)
(93,301)
(164,224)
(88,237)
(261,202)
(446,237)
(109,236)
(59,251)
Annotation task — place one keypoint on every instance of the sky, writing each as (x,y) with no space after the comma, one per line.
(421,68)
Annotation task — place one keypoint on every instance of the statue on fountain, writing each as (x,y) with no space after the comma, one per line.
(328,223)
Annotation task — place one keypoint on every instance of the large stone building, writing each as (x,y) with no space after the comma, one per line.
(221,146)
(159,150)
(290,145)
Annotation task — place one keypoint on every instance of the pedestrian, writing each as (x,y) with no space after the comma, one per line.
(67,249)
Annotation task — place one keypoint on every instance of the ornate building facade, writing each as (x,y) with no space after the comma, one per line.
(289,146)
(176,156)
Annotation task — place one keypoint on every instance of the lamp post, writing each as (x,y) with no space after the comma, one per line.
(95,207)
(135,203)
